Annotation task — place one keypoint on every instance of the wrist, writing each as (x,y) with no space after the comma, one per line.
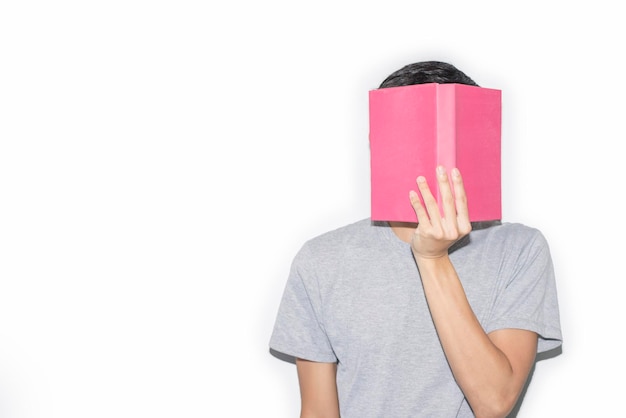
(431,260)
(429,256)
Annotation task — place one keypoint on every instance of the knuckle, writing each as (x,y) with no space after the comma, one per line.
(438,233)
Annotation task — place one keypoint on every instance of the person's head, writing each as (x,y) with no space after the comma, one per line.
(433,72)
(427,72)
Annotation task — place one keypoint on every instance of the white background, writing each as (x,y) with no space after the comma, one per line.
(161,163)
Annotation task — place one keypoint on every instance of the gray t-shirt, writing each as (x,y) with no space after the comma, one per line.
(354,297)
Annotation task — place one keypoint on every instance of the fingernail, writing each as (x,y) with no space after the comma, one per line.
(421,179)
(455,172)
(441,169)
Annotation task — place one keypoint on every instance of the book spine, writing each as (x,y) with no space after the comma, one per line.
(446,130)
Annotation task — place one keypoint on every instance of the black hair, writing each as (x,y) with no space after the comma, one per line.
(427,72)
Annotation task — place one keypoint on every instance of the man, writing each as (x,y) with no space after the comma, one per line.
(436,319)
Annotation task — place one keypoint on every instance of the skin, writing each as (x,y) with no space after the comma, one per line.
(491,369)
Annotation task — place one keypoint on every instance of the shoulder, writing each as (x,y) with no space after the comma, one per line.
(347,235)
(512,234)
(334,245)
(516,246)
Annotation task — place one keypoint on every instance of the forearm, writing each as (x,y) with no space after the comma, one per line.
(480,368)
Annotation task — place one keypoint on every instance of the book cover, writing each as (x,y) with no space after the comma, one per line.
(415,128)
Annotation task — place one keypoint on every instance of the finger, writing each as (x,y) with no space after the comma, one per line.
(460,200)
(447,200)
(430,202)
(420,212)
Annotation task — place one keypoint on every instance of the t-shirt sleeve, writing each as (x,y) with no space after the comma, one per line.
(299,330)
(528,298)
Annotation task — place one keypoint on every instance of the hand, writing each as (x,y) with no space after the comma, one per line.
(436,234)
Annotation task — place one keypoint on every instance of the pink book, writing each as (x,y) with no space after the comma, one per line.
(415,128)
